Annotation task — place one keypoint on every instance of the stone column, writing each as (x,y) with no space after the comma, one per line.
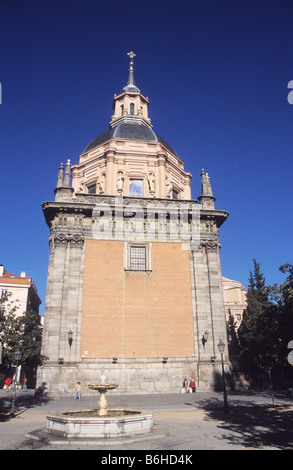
(161,189)
(208,303)
(64,297)
(110,174)
(53,305)
(72,299)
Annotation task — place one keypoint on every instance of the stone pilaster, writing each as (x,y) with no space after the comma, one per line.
(162,175)
(64,297)
(110,174)
(208,304)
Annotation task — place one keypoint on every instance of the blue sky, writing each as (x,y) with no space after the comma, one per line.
(216,73)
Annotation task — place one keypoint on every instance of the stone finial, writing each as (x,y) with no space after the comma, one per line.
(206,199)
(206,189)
(64,190)
(66,182)
(60,176)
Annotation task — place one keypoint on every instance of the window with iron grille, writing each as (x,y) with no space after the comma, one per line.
(138,257)
(4,293)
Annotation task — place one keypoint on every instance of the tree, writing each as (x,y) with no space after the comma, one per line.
(267,325)
(258,333)
(283,296)
(32,340)
(233,344)
(232,336)
(20,332)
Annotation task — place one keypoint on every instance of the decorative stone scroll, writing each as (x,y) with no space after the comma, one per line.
(66,239)
(211,245)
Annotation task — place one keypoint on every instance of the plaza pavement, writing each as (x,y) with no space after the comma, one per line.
(182,422)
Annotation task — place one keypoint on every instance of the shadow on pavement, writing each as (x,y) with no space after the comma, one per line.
(252,425)
(23,401)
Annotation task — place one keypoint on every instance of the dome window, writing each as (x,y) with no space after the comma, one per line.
(92,189)
(136,187)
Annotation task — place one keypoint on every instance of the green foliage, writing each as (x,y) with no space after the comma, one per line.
(267,324)
(31,339)
(232,336)
(20,332)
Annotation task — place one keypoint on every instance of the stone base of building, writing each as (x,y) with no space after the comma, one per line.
(133,376)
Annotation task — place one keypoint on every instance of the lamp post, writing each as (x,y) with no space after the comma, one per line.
(204,338)
(17,357)
(70,338)
(221,347)
(1,347)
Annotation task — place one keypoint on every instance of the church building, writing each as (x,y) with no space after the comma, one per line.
(134,280)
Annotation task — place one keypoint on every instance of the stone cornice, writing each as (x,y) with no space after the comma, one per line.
(163,215)
(83,203)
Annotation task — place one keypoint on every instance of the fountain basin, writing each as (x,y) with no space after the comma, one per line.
(87,424)
(102,387)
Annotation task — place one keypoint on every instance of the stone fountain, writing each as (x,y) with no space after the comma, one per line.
(102,389)
(101,422)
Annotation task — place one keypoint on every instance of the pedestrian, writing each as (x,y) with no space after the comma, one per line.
(24,384)
(192,386)
(185,385)
(7,383)
(78,391)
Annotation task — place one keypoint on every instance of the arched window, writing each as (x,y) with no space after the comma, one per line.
(132,108)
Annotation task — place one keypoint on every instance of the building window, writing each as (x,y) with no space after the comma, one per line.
(174,194)
(92,189)
(136,188)
(138,258)
(4,294)
(132,109)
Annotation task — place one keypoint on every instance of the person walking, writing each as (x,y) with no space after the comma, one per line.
(7,383)
(185,385)
(78,391)
(24,384)
(192,386)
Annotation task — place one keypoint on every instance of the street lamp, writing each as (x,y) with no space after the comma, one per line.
(204,338)
(221,347)
(17,357)
(70,338)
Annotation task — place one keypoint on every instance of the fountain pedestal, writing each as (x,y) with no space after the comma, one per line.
(102,405)
(102,389)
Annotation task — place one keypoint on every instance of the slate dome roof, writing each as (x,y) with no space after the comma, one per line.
(129,131)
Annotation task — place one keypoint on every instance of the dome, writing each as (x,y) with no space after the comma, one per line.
(129,131)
